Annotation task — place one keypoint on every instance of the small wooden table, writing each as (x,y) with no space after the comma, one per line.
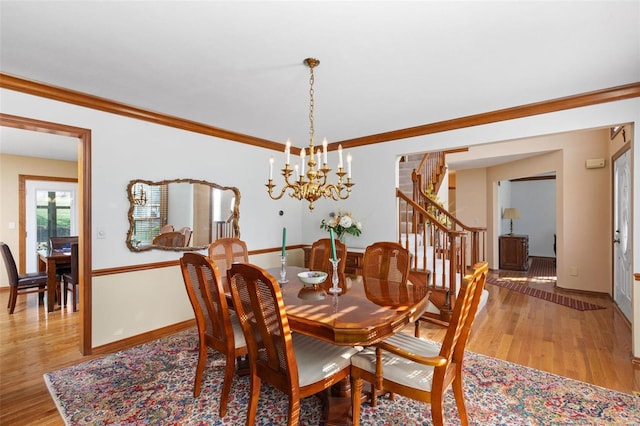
(48,261)
(366,312)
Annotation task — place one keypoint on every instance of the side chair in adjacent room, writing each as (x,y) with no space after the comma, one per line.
(218,328)
(70,281)
(35,282)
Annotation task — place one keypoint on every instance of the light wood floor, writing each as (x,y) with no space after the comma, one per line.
(592,346)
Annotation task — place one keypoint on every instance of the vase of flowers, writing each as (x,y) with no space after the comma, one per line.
(342,224)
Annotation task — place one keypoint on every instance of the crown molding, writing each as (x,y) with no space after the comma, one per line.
(90,101)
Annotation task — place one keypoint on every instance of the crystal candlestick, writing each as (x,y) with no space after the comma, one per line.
(283,270)
(335,289)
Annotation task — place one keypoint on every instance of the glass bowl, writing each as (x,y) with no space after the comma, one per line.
(312,277)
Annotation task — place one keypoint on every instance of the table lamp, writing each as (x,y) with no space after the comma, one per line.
(511,213)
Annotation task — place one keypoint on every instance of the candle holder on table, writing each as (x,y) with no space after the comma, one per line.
(283,270)
(335,289)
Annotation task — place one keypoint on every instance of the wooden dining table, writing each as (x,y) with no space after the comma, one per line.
(365,312)
(48,260)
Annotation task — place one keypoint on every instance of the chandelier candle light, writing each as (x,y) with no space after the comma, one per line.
(312,184)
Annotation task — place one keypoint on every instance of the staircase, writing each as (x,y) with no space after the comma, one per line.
(443,248)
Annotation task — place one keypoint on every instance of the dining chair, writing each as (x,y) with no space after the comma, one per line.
(166,228)
(62,244)
(226,251)
(420,369)
(169,239)
(321,253)
(70,281)
(387,260)
(21,284)
(218,328)
(296,364)
(186,231)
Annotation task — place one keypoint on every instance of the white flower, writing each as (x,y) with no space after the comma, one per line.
(346,222)
(359,225)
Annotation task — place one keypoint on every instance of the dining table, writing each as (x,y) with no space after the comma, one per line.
(364,312)
(48,260)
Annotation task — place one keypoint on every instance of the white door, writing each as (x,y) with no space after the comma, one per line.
(51,210)
(622,233)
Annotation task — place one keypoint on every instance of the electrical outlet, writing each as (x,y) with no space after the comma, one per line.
(573,271)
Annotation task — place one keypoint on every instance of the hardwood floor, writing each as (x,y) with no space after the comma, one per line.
(591,346)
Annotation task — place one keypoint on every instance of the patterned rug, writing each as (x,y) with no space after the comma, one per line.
(545,295)
(542,268)
(152,384)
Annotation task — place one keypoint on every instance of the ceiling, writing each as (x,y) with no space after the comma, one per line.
(385,65)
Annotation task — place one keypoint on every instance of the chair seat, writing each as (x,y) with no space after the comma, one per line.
(398,369)
(317,359)
(238,335)
(32,279)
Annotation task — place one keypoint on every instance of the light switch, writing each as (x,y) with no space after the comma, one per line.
(12,225)
(102,233)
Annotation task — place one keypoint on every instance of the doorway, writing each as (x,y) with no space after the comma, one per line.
(83,136)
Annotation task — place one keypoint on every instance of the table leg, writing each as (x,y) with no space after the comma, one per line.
(52,283)
(337,403)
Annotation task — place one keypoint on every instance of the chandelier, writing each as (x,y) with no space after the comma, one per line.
(310,183)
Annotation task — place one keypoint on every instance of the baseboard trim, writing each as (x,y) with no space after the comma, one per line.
(142,338)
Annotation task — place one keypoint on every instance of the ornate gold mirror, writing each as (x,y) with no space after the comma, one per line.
(180,214)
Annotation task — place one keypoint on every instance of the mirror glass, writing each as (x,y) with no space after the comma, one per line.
(180,214)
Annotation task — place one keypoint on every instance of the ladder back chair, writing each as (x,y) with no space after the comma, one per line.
(218,328)
(418,368)
(35,282)
(296,364)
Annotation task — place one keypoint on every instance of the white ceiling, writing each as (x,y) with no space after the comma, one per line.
(384,66)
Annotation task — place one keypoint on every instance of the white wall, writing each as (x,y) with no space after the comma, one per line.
(536,202)
(118,141)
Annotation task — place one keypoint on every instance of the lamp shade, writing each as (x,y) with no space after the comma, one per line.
(511,213)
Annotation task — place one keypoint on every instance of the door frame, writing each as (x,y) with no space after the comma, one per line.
(22,213)
(84,211)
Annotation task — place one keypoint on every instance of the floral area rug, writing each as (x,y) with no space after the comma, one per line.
(152,384)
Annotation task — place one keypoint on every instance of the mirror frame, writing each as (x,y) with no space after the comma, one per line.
(235,217)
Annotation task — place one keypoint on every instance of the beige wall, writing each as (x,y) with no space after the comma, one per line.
(583,201)
(11,166)
(163,291)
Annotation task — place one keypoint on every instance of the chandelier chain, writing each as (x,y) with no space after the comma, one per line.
(311,108)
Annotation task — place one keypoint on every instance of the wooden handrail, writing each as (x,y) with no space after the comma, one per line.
(435,247)
(477,235)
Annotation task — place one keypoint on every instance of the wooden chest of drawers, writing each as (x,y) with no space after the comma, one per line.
(514,252)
